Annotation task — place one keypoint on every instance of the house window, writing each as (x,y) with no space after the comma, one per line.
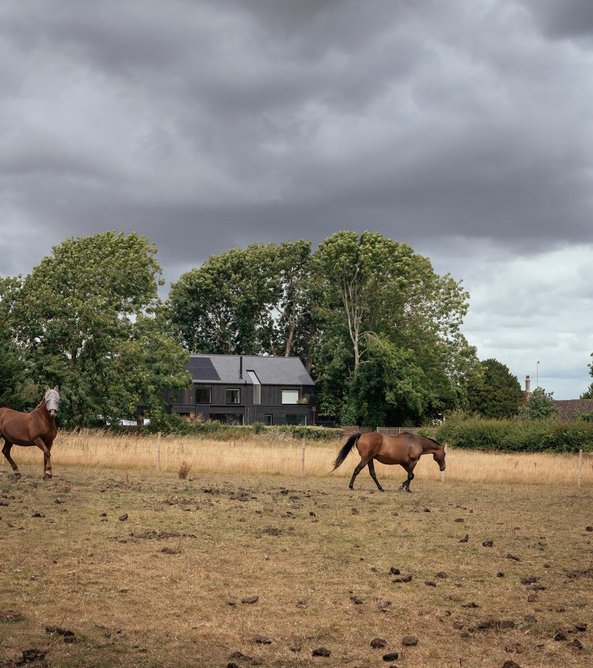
(256,387)
(300,420)
(233,395)
(269,419)
(290,396)
(203,395)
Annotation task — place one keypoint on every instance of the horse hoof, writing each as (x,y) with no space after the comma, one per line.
(18,474)
(47,476)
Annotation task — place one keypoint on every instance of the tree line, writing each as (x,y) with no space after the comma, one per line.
(378,329)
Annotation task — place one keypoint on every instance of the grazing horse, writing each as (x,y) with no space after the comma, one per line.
(35,428)
(404,449)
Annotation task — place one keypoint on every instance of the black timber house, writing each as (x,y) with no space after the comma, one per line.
(243,389)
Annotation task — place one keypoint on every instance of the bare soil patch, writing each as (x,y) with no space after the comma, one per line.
(265,570)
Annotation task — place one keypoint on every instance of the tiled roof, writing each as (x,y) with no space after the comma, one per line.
(570,409)
(269,370)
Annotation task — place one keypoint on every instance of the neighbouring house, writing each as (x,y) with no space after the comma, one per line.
(572,409)
(243,389)
(566,409)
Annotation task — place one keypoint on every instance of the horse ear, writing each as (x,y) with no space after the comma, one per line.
(56,388)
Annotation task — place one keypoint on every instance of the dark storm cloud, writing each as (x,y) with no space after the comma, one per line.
(461,128)
(283,118)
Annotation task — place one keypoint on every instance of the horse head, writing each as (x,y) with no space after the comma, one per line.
(52,400)
(440,457)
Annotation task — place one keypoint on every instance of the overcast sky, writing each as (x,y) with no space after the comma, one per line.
(463,128)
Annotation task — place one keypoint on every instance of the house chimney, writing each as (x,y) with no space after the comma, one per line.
(241,367)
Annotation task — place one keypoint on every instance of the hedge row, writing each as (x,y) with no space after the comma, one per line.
(225,432)
(517,435)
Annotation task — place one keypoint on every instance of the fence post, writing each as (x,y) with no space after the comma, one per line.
(158,452)
(303,461)
(580,468)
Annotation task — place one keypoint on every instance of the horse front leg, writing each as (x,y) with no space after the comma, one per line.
(374,475)
(410,469)
(47,474)
(6,452)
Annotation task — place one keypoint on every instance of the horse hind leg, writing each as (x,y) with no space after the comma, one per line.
(374,475)
(357,470)
(6,452)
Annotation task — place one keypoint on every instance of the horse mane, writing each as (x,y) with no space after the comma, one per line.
(441,445)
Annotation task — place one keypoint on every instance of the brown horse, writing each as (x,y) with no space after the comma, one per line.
(35,428)
(404,449)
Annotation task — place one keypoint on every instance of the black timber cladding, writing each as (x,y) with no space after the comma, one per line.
(223,372)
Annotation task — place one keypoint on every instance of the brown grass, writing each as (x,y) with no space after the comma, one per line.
(294,458)
(144,569)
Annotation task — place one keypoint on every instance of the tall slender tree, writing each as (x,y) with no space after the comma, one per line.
(409,359)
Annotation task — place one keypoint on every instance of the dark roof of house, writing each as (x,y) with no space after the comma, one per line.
(570,409)
(233,369)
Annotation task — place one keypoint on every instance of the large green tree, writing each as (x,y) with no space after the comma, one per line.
(495,392)
(402,357)
(81,317)
(247,301)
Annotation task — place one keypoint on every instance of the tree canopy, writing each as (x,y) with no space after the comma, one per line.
(245,301)
(378,328)
(79,316)
(403,357)
(494,392)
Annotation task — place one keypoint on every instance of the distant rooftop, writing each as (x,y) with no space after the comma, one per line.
(234,368)
(571,409)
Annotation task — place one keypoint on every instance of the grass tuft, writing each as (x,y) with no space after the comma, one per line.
(184,470)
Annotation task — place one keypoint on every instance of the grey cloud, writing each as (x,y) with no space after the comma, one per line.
(563,20)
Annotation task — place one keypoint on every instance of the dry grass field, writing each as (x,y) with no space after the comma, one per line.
(293,458)
(114,564)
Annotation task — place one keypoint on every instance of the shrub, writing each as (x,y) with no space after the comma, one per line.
(227,432)
(517,435)
(309,433)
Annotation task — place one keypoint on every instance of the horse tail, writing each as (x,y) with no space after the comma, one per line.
(346,449)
